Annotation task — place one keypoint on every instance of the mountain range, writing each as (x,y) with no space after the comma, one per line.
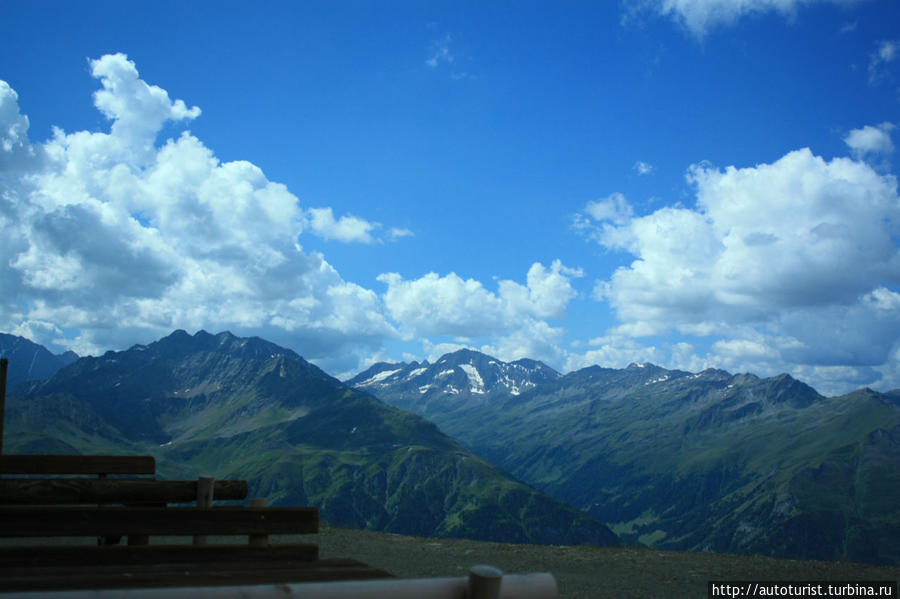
(246,408)
(708,461)
(459,380)
(680,460)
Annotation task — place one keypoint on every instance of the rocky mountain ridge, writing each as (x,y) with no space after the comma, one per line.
(246,408)
(464,377)
(700,461)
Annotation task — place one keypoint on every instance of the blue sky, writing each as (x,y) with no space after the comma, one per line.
(693,183)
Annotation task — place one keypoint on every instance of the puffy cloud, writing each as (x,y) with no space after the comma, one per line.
(871,140)
(602,220)
(16,151)
(546,293)
(535,339)
(448,305)
(642,168)
(794,262)
(138,110)
(515,315)
(346,228)
(113,239)
(700,16)
(614,208)
(451,305)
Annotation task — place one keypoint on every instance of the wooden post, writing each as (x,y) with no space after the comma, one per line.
(4,366)
(205,488)
(259,540)
(484,582)
(110,540)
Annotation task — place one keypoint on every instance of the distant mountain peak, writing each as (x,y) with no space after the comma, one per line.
(29,361)
(463,375)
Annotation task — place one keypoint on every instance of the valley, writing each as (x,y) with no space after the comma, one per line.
(472,447)
(705,461)
(245,408)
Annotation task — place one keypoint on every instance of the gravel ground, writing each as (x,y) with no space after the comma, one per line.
(584,572)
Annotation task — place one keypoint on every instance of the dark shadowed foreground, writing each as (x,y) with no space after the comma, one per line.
(584,572)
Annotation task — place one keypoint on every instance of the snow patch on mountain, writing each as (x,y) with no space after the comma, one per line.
(475,380)
(379,377)
(413,374)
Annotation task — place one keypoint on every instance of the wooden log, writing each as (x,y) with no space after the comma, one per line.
(131,491)
(258,540)
(109,521)
(515,586)
(15,557)
(77,464)
(185,575)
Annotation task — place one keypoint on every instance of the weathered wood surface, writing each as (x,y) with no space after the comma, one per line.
(186,574)
(112,521)
(13,557)
(205,494)
(132,491)
(77,464)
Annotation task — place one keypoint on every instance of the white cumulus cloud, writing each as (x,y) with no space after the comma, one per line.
(110,237)
(700,16)
(794,262)
(516,314)
(346,228)
(871,140)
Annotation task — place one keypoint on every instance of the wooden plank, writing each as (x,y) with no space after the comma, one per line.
(13,557)
(205,493)
(185,575)
(112,521)
(49,491)
(77,464)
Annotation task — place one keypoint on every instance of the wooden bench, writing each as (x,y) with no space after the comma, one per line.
(139,509)
(104,490)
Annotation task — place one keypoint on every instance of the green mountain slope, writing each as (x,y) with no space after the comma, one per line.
(705,461)
(246,408)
